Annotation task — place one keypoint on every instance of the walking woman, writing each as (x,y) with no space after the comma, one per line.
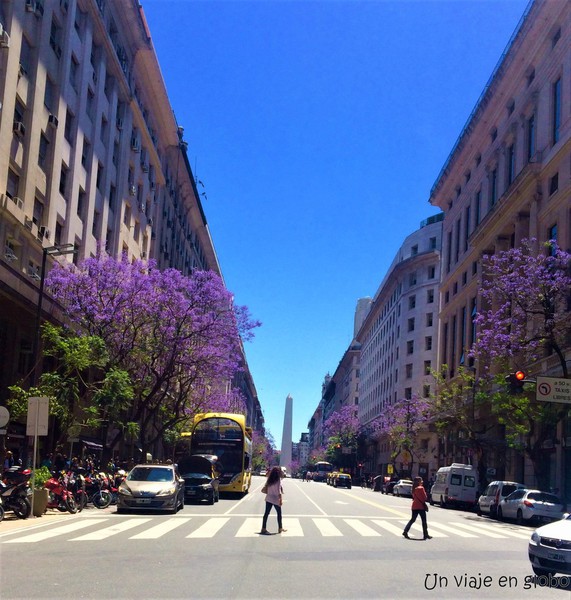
(274,492)
(419,507)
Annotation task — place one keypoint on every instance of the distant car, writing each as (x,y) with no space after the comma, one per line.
(496,491)
(263,472)
(403,487)
(531,505)
(151,486)
(342,480)
(389,485)
(200,478)
(330,477)
(549,548)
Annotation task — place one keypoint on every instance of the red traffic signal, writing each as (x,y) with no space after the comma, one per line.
(516,382)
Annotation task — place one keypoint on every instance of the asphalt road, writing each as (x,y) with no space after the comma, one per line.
(339,544)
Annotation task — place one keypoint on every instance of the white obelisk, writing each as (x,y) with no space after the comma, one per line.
(285,457)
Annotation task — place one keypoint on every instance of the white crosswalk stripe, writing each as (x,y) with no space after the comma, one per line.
(209,529)
(159,530)
(107,532)
(327,528)
(361,528)
(202,527)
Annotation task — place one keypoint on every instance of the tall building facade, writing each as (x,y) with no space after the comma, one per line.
(399,339)
(508,177)
(91,156)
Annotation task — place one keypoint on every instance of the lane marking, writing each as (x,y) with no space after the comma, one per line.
(250,527)
(326,528)
(314,503)
(159,530)
(418,527)
(210,528)
(293,527)
(388,526)
(44,535)
(479,530)
(517,534)
(457,532)
(361,528)
(106,532)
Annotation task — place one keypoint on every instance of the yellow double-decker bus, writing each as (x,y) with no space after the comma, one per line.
(225,436)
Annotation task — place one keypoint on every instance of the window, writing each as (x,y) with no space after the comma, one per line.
(410,347)
(432,243)
(100,182)
(429,319)
(50,95)
(74,72)
(38,215)
(90,105)
(55,36)
(95,226)
(477,204)
(556,122)
(81,197)
(554,184)
(426,391)
(13,184)
(414,250)
(530,137)
(556,37)
(429,296)
(530,76)
(427,367)
(511,107)
(412,279)
(552,237)
(428,342)
(43,151)
(411,302)
(86,152)
(409,371)
(104,127)
(25,57)
(112,197)
(493,186)
(449,252)
(511,164)
(127,216)
(68,131)
(408,393)
(494,134)
(411,324)
(63,179)
(431,272)
(467,212)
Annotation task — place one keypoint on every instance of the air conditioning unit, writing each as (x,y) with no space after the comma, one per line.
(19,128)
(153,186)
(30,5)
(150,221)
(21,70)
(135,146)
(145,167)
(9,254)
(4,39)
(53,121)
(132,190)
(119,123)
(44,232)
(28,223)
(18,202)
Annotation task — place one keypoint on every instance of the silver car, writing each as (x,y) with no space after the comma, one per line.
(403,487)
(531,505)
(151,486)
(550,548)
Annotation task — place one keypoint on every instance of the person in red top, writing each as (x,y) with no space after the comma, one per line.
(419,507)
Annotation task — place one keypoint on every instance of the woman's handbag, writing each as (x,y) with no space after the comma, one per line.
(265,489)
(426,507)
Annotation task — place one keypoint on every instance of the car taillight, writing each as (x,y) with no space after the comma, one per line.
(528,503)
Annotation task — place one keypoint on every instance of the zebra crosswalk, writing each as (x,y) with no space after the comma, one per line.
(200,527)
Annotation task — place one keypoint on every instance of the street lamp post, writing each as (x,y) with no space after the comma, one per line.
(51,251)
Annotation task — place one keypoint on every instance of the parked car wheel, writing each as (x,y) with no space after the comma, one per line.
(500,514)
(519,517)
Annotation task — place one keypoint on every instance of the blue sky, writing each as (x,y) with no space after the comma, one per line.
(318,129)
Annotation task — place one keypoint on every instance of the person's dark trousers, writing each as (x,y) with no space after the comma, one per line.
(267,512)
(415,514)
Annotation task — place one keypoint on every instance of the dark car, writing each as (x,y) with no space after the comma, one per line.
(388,486)
(342,480)
(200,478)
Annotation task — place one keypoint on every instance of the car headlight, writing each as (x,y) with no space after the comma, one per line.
(123,489)
(205,486)
(167,491)
(535,538)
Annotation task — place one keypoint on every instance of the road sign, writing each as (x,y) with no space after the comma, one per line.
(4,416)
(554,389)
(38,414)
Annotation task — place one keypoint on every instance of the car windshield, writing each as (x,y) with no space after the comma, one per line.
(150,474)
(196,476)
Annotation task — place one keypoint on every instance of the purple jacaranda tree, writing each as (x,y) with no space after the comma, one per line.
(340,430)
(399,425)
(525,316)
(177,337)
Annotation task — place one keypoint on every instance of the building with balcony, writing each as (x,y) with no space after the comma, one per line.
(91,155)
(399,340)
(508,177)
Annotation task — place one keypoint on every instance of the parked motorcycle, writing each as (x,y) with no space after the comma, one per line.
(60,497)
(97,490)
(16,492)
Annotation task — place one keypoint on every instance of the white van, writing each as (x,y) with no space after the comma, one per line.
(455,485)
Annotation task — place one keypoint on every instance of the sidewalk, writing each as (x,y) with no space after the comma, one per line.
(11,523)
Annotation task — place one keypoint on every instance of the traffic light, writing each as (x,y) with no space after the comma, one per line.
(516,382)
